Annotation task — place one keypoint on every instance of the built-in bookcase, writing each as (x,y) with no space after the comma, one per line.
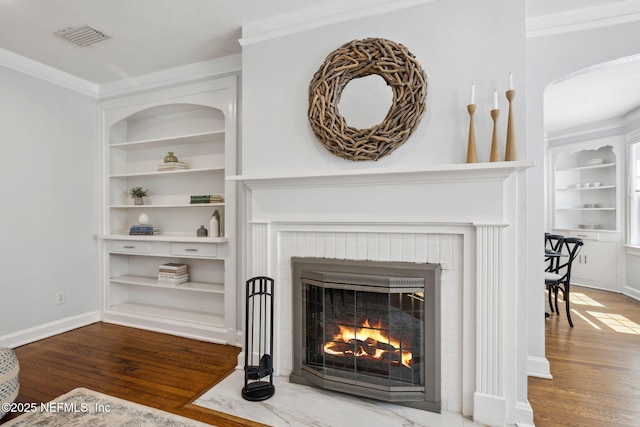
(197,124)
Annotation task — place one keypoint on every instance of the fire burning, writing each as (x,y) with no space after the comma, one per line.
(368,342)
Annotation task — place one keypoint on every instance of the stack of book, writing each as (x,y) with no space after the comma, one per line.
(172,166)
(143,230)
(207,198)
(172,273)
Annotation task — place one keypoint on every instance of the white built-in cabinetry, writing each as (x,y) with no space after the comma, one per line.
(586,189)
(198,123)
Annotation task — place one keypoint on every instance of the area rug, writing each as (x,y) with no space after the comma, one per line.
(83,407)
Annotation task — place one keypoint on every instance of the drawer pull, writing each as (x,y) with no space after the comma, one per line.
(190,250)
(129,247)
(582,235)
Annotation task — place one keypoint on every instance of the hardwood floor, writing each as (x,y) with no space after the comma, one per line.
(595,365)
(157,370)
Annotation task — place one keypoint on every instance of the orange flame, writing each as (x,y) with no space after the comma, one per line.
(377,343)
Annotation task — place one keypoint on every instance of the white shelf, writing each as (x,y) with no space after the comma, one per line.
(586,168)
(586,209)
(167,173)
(601,187)
(183,205)
(148,310)
(216,288)
(170,141)
(167,237)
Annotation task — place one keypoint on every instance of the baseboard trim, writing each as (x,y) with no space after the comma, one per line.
(539,367)
(631,292)
(47,330)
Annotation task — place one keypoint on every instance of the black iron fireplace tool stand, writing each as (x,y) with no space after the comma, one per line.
(258,340)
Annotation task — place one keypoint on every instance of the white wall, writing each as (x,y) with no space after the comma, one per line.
(548,59)
(457,42)
(48,182)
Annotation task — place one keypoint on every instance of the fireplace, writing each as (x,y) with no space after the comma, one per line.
(368,328)
(466,219)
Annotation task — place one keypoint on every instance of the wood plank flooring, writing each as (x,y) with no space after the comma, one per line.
(595,365)
(153,369)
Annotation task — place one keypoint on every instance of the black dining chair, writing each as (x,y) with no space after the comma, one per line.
(552,246)
(559,279)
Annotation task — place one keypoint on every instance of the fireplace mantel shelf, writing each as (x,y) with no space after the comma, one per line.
(449,172)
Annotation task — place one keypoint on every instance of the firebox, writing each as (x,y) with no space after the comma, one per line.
(368,328)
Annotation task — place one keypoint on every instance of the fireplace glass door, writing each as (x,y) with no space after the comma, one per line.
(366,336)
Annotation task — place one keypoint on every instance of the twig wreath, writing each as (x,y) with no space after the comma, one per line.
(360,58)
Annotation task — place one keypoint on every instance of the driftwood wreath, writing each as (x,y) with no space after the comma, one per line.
(360,58)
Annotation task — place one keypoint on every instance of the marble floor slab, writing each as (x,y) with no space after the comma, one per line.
(299,405)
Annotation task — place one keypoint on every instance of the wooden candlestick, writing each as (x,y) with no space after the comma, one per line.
(495,148)
(471,146)
(510,149)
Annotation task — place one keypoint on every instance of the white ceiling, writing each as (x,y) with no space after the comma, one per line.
(155,35)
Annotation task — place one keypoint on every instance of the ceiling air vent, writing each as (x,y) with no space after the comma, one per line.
(82,35)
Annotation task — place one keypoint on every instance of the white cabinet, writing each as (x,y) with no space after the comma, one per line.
(596,264)
(197,123)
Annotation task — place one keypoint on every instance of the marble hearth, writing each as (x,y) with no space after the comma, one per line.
(463,218)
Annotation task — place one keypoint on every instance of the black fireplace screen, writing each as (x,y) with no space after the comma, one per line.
(369,336)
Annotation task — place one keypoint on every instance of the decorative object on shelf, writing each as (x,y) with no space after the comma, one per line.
(472,156)
(202,232)
(170,158)
(510,149)
(172,273)
(360,58)
(207,198)
(258,341)
(171,163)
(138,194)
(144,219)
(143,230)
(214,224)
(495,147)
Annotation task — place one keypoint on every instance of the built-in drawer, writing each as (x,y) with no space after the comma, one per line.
(589,235)
(194,249)
(130,247)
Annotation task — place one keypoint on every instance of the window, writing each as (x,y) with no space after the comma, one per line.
(634,194)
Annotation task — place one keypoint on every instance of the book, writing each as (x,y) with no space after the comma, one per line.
(173,265)
(172,277)
(172,166)
(207,198)
(172,282)
(143,228)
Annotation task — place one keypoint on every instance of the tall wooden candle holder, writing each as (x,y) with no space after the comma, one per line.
(495,148)
(510,149)
(471,146)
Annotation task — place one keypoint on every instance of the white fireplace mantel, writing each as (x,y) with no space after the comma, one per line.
(464,217)
(450,172)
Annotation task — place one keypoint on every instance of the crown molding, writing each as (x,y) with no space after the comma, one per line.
(318,17)
(46,73)
(173,76)
(200,70)
(583,19)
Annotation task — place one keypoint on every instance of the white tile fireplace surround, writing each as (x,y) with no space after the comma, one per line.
(462,217)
